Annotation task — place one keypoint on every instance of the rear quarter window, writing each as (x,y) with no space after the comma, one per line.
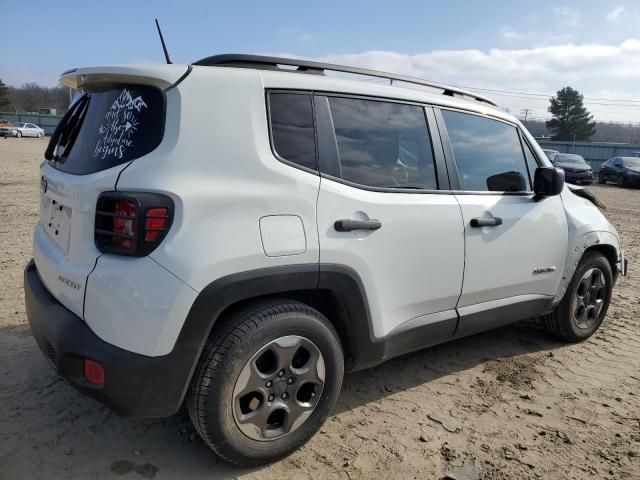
(292,128)
(113,125)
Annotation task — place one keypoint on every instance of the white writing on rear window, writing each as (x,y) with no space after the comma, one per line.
(120,123)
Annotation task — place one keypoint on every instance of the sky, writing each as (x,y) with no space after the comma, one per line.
(519,53)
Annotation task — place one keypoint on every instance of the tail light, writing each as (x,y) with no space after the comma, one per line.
(132,223)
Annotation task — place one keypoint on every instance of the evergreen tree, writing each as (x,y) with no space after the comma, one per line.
(571,120)
(4,96)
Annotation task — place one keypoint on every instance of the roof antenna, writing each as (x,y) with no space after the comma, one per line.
(164,47)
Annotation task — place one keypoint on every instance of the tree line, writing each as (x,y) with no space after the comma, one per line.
(570,119)
(615,132)
(31,97)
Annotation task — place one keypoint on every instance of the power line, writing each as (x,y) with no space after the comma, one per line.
(545,95)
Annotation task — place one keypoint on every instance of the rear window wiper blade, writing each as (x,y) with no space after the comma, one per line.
(64,132)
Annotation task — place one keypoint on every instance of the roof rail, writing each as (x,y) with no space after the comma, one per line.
(318,68)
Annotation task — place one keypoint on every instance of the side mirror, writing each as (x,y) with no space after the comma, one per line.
(548,181)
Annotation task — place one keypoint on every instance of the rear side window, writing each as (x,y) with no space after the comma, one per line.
(106,127)
(292,128)
(383,144)
(487,152)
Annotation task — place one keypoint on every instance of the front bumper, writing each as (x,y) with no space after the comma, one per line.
(135,385)
(579,177)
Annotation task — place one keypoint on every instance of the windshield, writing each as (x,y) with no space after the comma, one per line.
(631,162)
(568,158)
(106,127)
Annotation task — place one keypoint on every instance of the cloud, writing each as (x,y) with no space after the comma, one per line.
(614,14)
(591,68)
(535,37)
(567,16)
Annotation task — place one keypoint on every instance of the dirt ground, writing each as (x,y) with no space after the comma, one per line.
(515,402)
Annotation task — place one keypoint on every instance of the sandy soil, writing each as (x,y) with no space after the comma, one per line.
(518,403)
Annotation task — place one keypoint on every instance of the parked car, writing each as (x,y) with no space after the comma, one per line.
(576,169)
(21,130)
(240,259)
(625,171)
(549,153)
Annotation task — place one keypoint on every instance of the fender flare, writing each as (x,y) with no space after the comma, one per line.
(576,250)
(221,294)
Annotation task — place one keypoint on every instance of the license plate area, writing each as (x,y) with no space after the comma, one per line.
(56,221)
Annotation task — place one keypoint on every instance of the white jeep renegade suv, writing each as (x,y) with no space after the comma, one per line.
(236,233)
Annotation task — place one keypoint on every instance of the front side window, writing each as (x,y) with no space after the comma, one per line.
(383,144)
(531,161)
(292,128)
(487,152)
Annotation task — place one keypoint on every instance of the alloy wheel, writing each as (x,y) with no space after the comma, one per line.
(589,298)
(278,388)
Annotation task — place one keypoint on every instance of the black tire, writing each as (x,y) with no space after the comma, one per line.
(210,399)
(562,322)
(602,178)
(621,182)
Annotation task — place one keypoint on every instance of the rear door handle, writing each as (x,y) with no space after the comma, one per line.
(486,222)
(348,225)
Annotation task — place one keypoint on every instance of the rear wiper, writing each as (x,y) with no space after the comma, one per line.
(71,133)
(66,131)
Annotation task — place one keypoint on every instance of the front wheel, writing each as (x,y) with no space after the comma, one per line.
(266,382)
(586,301)
(620,181)
(18,134)
(602,178)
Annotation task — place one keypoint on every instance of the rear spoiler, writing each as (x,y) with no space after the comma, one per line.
(162,76)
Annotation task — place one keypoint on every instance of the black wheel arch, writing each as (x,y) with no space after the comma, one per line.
(334,290)
(610,253)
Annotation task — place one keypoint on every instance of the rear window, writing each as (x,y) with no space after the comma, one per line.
(106,127)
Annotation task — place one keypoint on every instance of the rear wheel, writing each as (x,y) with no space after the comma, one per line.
(39,135)
(266,382)
(586,301)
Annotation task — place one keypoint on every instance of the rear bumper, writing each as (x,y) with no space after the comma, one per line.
(135,385)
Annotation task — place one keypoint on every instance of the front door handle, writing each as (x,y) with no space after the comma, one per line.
(348,225)
(486,222)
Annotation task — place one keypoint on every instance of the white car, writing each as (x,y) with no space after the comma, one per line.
(235,236)
(21,130)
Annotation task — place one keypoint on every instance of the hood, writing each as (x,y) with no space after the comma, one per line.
(572,166)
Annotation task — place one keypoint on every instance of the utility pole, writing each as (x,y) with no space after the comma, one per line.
(525,113)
